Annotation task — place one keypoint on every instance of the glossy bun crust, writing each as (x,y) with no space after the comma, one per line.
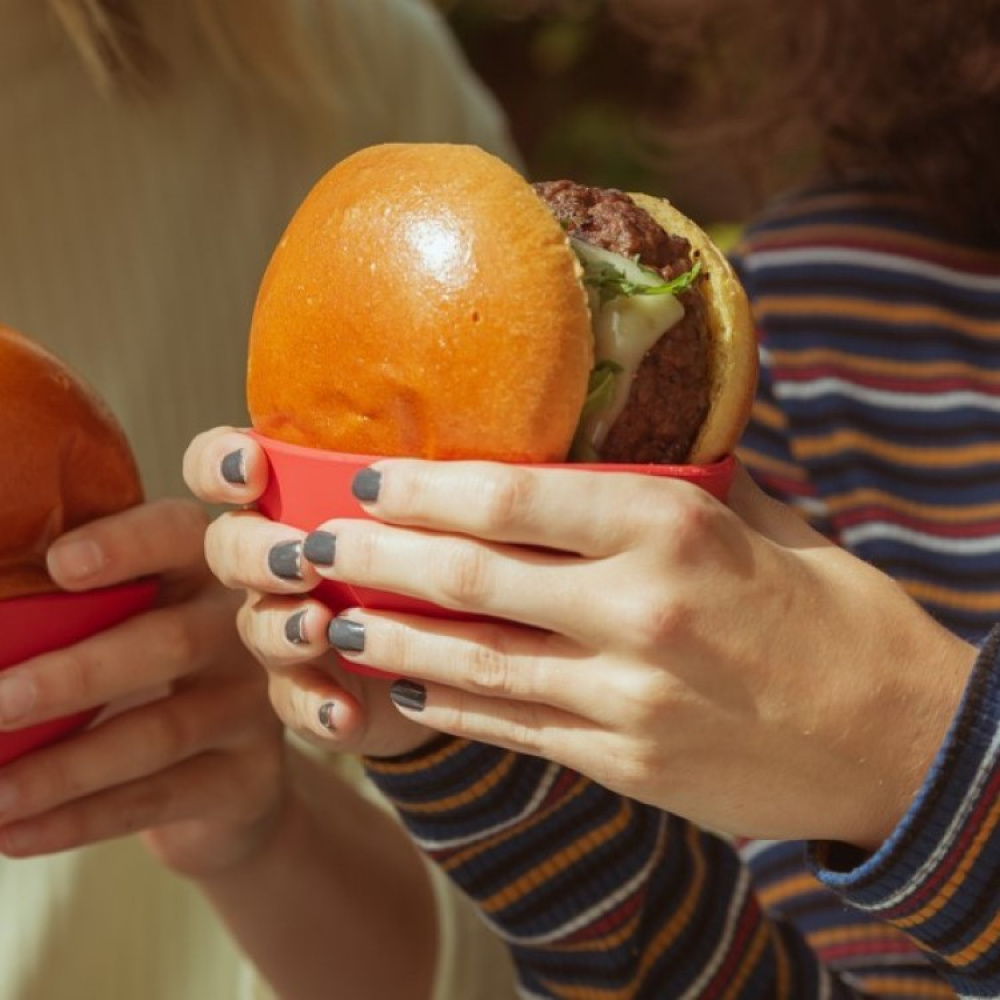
(734,342)
(422,301)
(64,461)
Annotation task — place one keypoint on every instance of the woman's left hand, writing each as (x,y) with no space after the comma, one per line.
(725,663)
(198,760)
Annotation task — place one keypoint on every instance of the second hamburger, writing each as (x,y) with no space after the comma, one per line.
(64,461)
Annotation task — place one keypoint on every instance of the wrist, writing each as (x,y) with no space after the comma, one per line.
(225,849)
(923,715)
(912,878)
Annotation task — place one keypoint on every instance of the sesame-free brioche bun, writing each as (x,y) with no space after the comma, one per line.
(64,460)
(424,300)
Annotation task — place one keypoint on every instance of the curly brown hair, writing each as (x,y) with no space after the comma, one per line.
(906,90)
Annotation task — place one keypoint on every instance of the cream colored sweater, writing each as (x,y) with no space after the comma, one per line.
(132,239)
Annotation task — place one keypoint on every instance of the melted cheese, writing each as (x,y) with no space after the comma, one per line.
(625,328)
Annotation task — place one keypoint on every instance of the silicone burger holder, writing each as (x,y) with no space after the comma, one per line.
(307,486)
(43,623)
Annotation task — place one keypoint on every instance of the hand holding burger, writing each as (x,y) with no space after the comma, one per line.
(427,301)
(189,749)
(64,462)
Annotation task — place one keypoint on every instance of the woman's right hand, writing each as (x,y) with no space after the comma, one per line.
(284,628)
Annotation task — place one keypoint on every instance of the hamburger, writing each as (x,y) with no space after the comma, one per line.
(64,460)
(426,300)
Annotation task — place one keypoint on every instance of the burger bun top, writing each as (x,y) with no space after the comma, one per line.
(400,312)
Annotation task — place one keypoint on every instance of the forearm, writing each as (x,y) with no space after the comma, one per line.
(590,887)
(336,901)
(938,876)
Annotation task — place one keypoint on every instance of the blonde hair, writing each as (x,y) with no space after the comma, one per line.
(259,42)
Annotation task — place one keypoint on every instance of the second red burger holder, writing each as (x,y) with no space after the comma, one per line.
(43,623)
(307,486)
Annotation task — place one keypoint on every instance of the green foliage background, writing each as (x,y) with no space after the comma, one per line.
(557,68)
(581,93)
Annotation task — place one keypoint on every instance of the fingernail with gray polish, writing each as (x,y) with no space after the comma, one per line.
(320,548)
(285,560)
(295,628)
(366,485)
(407,694)
(234,468)
(347,636)
(325,715)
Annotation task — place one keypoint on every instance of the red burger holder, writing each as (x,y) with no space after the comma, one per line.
(307,486)
(44,623)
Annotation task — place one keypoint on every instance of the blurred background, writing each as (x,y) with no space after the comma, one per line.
(586,96)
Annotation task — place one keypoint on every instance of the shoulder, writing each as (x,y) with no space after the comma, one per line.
(862,216)
(402,56)
(861,238)
(380,23)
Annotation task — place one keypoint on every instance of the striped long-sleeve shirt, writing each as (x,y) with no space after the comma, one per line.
(602,898)
(879,403)
(879,414)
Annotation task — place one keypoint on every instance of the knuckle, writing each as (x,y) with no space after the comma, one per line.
(528,730)
(361,553)
(465,574)
(687,520)
(168,736)
(146,804)
(656,619)
(637,766)
(60,830)
(76,683)
(506,498)
(523,730)
(60,782)
(183,514)
(395,647)
(176,643)
(488,669)
(640,705)
(645,699)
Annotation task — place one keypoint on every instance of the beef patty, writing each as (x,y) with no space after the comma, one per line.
(670,394)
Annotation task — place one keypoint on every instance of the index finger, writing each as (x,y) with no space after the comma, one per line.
(585,512)
(161,538)
(224,465)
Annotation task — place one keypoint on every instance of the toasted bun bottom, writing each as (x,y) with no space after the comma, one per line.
(734,342)
(64,460)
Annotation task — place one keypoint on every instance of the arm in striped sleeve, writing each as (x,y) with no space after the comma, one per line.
(938,876)
(766,446)
(597,895)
